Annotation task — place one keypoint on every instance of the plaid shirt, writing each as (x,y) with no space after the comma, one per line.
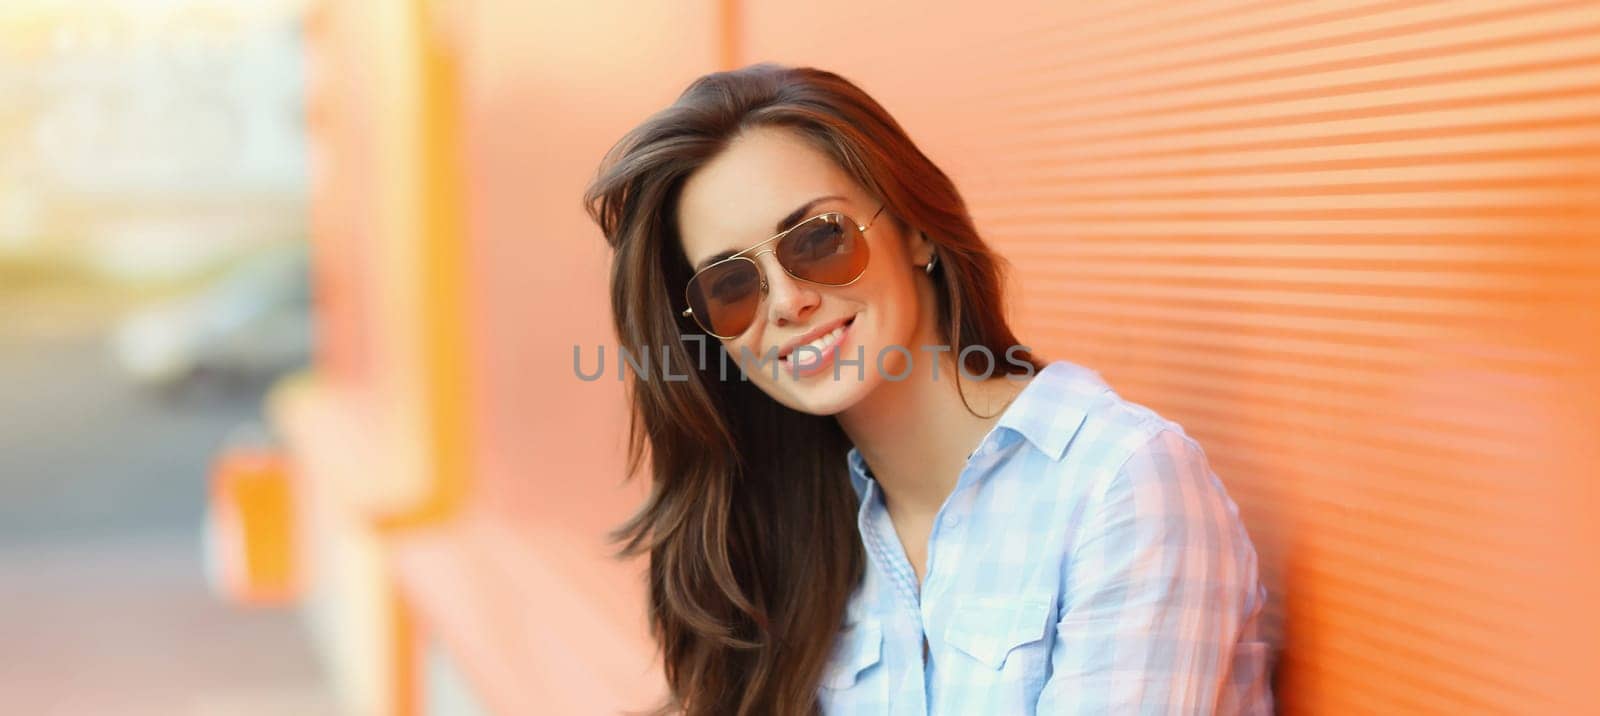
(1088,561)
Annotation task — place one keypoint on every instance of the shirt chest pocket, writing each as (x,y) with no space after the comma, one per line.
(1005,633)
(857,649)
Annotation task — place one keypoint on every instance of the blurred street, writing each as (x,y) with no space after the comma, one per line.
(103,600)
(153,283)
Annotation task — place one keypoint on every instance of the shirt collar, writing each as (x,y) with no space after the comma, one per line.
(1050,409)
(1048,413)
(858,472)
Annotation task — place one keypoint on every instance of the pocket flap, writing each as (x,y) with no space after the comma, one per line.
(857,648)
(987,628)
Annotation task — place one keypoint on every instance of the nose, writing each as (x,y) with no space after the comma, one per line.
(788,300)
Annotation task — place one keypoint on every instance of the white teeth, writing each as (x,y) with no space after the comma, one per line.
(827,339)
(821,344)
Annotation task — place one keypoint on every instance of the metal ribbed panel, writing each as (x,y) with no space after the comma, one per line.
(1353,248)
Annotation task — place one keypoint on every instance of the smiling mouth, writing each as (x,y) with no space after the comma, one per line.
(823,346)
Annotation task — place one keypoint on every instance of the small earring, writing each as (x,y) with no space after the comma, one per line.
(928,268)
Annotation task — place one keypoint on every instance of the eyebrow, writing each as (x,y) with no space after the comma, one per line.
(783,224)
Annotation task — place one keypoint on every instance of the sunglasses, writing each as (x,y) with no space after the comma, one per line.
(828,249)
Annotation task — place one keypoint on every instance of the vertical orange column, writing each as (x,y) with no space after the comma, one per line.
(379,428)
(443,341)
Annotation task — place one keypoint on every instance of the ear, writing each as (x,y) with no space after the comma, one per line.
(919,247)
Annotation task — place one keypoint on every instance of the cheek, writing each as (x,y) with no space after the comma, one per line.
(900,290)
(743,351)
(739,347)
(893,302)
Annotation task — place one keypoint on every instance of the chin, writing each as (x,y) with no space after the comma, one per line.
(827,396)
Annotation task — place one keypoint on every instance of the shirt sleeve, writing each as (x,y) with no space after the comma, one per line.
(1160,586)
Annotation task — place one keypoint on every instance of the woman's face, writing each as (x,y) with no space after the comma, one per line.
(738,200)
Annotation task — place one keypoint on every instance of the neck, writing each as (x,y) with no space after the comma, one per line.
(916,434)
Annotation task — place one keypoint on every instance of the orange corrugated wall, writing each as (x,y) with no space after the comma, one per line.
(1353,247)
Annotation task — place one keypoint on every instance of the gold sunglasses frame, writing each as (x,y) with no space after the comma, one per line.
(741,256)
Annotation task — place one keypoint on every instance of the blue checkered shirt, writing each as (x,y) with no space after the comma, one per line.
(1088,561)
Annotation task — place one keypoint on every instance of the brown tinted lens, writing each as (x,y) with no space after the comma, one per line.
(725,296)
(828,249)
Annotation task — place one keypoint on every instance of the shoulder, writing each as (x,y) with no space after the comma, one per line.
(1117,454)
(1155,492)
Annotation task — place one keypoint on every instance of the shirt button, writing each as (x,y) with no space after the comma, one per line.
(951,521)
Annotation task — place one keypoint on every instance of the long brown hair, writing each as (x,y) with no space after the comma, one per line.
(750,522)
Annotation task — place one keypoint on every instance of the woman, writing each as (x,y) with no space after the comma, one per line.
(887,505)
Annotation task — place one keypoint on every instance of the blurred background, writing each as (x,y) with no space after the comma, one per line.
(153,284)
(288,423)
